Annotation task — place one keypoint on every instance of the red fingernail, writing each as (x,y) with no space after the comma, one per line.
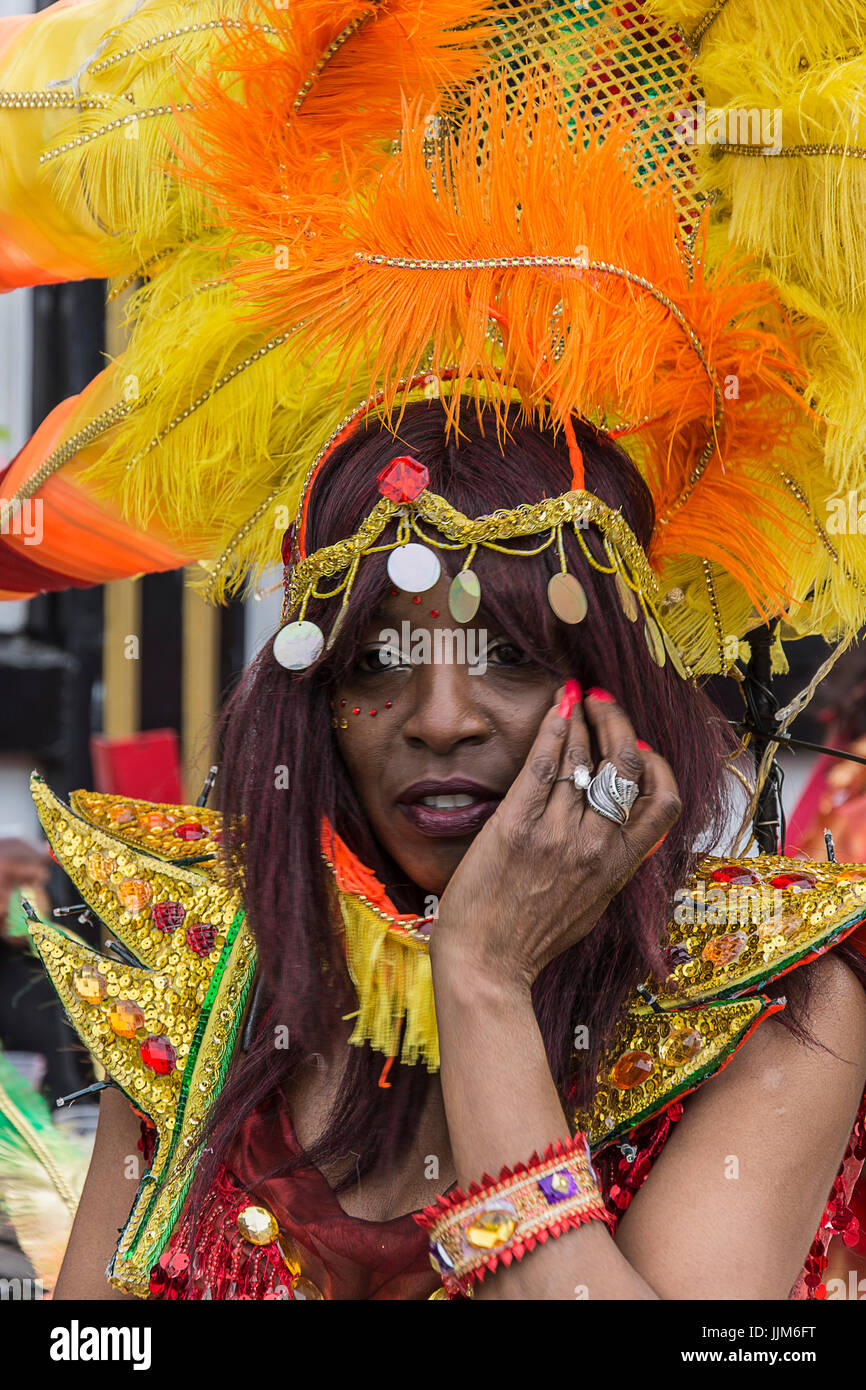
(570,697)
(603,695)
(649,854)
(640,744)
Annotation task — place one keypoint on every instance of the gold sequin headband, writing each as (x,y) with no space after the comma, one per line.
(413,565)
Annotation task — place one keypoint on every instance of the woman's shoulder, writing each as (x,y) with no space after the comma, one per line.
(743,933)
(162,1010)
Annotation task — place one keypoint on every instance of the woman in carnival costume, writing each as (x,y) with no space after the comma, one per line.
(440,303)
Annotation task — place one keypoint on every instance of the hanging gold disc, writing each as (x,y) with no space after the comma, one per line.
(464,596)
(567,599)
(627,600)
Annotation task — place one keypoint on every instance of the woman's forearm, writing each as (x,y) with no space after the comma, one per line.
(502,1105)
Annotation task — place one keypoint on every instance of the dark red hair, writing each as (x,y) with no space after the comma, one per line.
(277,718)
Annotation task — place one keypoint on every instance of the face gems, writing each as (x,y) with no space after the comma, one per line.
(298,645)
(464,596)
(414,568)
(567,599)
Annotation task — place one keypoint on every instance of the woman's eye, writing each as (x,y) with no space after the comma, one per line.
(507,654)
(377,659)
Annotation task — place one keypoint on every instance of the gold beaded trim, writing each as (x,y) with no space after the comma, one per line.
(146,113)
(209,393)
(70,448)
(714,605)
(793,151)
(693,40)
(569,262)
(333,47)
(104,63)
(794,487)
(29,101)
(526,520)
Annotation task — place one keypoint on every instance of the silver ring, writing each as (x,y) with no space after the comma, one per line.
(612,796)
(581,777)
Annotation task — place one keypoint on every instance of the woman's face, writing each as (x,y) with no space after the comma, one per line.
(456,712)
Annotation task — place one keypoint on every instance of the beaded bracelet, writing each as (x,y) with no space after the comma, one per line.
(471,1233)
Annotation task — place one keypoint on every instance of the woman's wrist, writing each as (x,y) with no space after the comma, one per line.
(460,973)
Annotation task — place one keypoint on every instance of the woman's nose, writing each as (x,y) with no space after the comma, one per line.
(447,709)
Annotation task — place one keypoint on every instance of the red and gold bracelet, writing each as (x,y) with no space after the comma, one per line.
(497,1222)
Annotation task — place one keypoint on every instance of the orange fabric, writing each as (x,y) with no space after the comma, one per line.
(81,537)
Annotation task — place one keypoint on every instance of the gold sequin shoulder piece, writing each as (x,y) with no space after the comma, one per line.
(163,1019)
(737,925)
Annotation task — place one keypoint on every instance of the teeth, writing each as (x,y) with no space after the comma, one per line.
(448,803)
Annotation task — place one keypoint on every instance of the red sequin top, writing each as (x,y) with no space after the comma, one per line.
(345,1257)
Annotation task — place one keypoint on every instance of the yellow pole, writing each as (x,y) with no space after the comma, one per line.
(200,687)
(121,654)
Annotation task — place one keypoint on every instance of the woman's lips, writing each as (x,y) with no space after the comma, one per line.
(461,821)
(448,808)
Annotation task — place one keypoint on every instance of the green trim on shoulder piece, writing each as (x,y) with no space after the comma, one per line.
(164,1030)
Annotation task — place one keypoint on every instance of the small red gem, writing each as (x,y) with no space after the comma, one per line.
(403,479)
(200,937)
(372,711)
(356,710)
(158,1054)
(168,916)
(387,704)
(733,873)
(799,882)
(342,702)
(395,593)
(416,600)
(190,830)
(434,613)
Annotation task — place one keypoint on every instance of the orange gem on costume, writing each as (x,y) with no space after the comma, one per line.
(135,893)
(90,985)
(99,866)
(155,820)
(120,814)
(724,949)
(680,1046)
(125,1018)
(631,1069)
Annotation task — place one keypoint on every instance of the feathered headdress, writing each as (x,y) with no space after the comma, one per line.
(488,202)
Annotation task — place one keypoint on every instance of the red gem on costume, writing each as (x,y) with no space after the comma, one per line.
(799,882)
(158,1054)
(434,612)
(733,873)
(357,709)
(403,479)
(416,600)
(200,937)
(388,704)
(168,916)
(372,711)
(190,830)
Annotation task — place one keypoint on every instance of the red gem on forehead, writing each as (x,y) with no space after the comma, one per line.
(403,479)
